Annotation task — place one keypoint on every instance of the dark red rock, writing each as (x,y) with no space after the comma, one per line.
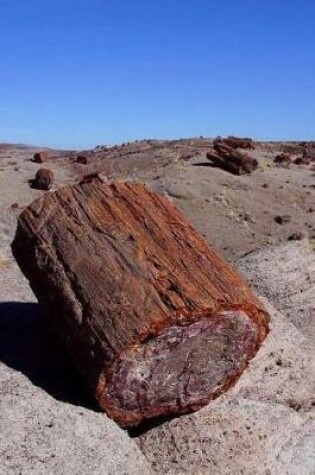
(297,236)
(231,160)
(82,159)
(91,177)
(283,159)
(154,319)
(236,142)
(43,180)
(39,157)
(302,161)
(282,219)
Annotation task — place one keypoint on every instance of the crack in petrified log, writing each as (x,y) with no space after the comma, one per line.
(123,276)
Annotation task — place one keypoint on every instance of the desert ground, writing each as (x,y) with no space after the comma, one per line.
(263,223)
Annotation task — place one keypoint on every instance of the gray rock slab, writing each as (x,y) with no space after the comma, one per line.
(285,275)
(230,436)
(41,435)
(283,371)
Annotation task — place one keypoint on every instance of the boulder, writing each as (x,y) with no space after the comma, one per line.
(283,159)
(39,157)
(82,159)
(302,160)
(239,142)
(156,321)
(231,160)
(44,179)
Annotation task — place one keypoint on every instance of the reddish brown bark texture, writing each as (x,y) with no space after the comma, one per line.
(230,159)
(39,157)
(44,179)
(156,321)
(237,142)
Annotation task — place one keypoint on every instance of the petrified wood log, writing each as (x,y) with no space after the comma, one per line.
(231,160)
(283,159)
(156,321)
(303,160)
(81,159)
(39,157)
(238,142)
(43,180)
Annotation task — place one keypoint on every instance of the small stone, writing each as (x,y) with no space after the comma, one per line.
(283,159)
(302,161)
(282,219)
(230,159)
(38,157)
(298,236)
(93,176)
(81,159)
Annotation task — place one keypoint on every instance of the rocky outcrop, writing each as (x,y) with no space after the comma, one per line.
(156,321)
(231,160)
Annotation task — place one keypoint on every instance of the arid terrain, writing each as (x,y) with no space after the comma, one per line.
(215,201)
(263,223)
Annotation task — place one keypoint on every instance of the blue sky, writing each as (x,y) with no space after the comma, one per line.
(82,73)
